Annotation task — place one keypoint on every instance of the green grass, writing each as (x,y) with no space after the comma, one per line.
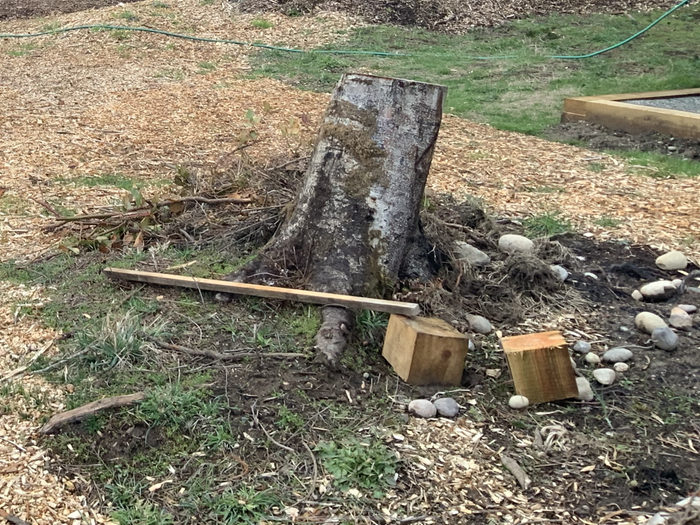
(22,50)
(261,23)
(522,94)
(659,165)
(357,464)
(128,16)
(546,225)
(106,179)
(607,222)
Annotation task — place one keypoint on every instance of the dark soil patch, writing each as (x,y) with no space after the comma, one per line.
(10,9)
(598,137)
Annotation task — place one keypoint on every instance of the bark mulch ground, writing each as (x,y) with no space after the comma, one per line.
(90,104)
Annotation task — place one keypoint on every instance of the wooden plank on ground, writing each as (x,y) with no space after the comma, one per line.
(637,119)
(269,292)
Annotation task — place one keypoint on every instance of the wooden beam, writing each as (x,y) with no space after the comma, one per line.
(613,111)
(636,119)
(269,292)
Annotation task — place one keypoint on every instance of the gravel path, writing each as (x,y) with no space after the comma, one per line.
(689,103)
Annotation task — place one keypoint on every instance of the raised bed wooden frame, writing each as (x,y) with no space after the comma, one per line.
(611,111)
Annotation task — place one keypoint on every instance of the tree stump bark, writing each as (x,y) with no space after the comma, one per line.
(355,226)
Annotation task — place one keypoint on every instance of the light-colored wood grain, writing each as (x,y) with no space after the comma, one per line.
(612,111)
(540,366)
(635,119)
(269,292)
(425,350)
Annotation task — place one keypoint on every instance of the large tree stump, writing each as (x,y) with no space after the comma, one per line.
(355,226)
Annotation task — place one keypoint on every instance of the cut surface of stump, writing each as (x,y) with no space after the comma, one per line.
(355,226)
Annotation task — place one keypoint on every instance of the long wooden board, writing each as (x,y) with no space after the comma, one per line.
(613,112)
(270,292)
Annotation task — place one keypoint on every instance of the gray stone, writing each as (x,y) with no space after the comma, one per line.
(592,359)
(605,376)
(582,347)
(446,407)
(637,295)
(559,272)
(585,393)
(617,355)
(422,408)
(648,322)
(518,402)
(677,283)
(664,338)
(472,346)
(658,291)
(466,252)
(479,324)
(621,367)
(688,308)
(511,243)
(660,518)
(674,260)
(680,319)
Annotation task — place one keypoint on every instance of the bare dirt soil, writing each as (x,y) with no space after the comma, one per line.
(34,8)
(598,137)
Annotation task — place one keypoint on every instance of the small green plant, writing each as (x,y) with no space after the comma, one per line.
(120,34)
(261,23)
(160,5)
(608,222)
(171,73)
(596,167)
(288,420)
(22,50)
(175,408)
(128,16)
(546,225)
(206,67)
(51,26)
(371,326)
(245,505)
(352,463)
(142,513)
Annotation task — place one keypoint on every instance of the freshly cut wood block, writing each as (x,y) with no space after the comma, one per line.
(540,366)
(425,350)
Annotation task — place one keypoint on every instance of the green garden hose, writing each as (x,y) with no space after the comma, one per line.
(335,51)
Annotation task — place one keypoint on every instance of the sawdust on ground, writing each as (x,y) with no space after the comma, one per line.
(87,104)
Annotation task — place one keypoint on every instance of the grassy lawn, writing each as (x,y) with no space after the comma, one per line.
(524,93)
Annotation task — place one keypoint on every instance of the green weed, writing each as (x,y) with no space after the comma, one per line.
(105,179)
(658,165)
(128,16)
(142,513)
(176,408)
(171,73)
(596,167)
(288,420)
(243,506)
(356,464)
(261,23)
(206,67)
(22,50)
(546,225)
(608,222)
(12,205)
(120,34)
(160,5)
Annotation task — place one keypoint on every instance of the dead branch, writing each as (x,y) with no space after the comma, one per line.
(77,414)
(12,519)
(46,205)
(517,471)
(258,423)
(217,356)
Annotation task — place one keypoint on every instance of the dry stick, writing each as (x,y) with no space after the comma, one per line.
(257,422)
(22,369)
(214,355)
(62,361)
(13,519)
(62,419)
(47,206)
(518,473)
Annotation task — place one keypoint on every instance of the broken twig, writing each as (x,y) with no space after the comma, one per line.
(517,471)
(77,414)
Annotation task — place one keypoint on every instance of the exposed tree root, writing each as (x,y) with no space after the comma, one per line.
(334,334)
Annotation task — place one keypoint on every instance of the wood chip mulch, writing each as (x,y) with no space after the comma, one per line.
(88,104)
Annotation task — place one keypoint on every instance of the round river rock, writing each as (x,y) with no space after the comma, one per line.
(446,407)
(422,408)
(512,243)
